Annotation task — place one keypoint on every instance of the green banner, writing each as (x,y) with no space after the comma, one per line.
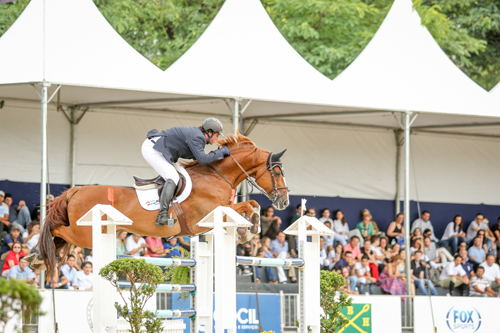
(360,318)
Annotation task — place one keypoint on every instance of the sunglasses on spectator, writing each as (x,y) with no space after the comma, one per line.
(345,271)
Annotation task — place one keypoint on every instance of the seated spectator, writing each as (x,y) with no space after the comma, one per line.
(346,288)
(173,248)
(69,271)
(58,280)
(402,268)
(365,227)
(491,271)
(392,279)
(330,239)
(424,223)
(453,234)
(418,268)
(324,263)
(496,232)
(335,255)
(395,249)
(341,227)
(367,251)
(481,223)
(466,265)
(479,286)
(244,250)
(476,252)
(416,245)
(349,262)
(4,214)
(311,212)
(269,224)
(376,230)
(292,239)
(185,242)
(395,231)
(417,234)
(12,258)
(18,214)
(135,246)
(433,255)
(265,252)
(453,275)
(76,251)
(32,235)
(353,248)
(121,244)
(377,252)
(364,275)
(84,278)
(384,248)
(22,272)
(8,241)
(89,258)
(325,216)
(484,240)
(155,247)
(279,249)
(35,215)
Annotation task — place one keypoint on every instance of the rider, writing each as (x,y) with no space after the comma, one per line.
(162,149)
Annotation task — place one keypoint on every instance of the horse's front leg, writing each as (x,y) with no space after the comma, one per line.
(252,213)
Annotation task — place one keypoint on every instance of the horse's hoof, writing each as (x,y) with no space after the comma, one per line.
(256,219)
(31,257)
(40,266)
(254,229)
(241,231)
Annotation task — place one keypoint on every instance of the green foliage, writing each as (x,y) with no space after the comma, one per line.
(180,274)
(332,303)
(17,298)
(144,278)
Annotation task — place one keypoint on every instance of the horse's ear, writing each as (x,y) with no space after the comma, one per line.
(277,157)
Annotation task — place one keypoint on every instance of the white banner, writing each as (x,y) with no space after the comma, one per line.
(456,314)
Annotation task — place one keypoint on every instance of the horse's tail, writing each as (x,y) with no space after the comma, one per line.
(56,216)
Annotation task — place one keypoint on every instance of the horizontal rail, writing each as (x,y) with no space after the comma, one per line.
(165,287)
(275,262)
(176,313)
(164,261)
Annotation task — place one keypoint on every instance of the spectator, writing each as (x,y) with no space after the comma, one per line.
(335,255)
(135,246)
(185,242)
(481,223)
(453,234)
(291,239)
(8,241)
(76,251)
(89,258)
(384,247)
(69,271)
(265,252)
(481,235)
(353,248)
(416,234)
(21,272)
(346,288)
(270,225)
(395,250)
(121,244)
(35,215)
(349,262)
(173,248)
(4,214)
(341,227)
(376,230)
(392,278)
(279,249)
(367,251)
(364,275)
(424,223)
(246,251)
(155,247)
(32,235)
(298,214)
(325,216)
(324,262)
(435,255)
(18,214)
(466,265)
(496,231)
(257,249)
(377,252)
(84,278)
(476,252)
(491,271)
(365,227)
(395,231)
(330,239)
(453,275)
(418,268)
(479,286)
(58,280)
(12,258)
(416,245)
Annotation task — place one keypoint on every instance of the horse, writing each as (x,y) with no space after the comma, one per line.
(212,187)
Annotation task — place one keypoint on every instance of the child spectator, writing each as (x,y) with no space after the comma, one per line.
(344,271)
(364,275)
(84,278)
(173,249)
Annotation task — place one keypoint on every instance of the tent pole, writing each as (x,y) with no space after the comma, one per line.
(406,128)
(397,203)
(43,182)
(72,156)
(236,115)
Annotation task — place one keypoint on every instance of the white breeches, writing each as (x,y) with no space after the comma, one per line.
(158,162)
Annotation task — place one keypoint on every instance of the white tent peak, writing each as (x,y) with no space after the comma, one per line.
(242,54)
(79,48)
(403,68)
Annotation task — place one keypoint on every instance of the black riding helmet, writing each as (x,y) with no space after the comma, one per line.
(212,125)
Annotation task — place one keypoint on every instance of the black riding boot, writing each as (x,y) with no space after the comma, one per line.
(166,196)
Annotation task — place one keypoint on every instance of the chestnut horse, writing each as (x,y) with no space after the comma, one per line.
(209,190)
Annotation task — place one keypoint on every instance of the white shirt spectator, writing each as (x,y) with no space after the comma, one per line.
(323,259)
(84,282)
(379,253)
(324,219)
(89,258)
(362,271)
(132,245)
(419,223)
(451,269)
(338,227)
(491,272)
(33,240)
(482,284)
(328,240)
(4,209)
(449,231)
(471,233)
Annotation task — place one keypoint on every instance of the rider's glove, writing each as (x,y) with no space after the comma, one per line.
(225,151)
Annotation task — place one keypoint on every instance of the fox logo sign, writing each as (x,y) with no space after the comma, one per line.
(463,319)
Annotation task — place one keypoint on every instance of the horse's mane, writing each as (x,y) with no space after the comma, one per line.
(232,141)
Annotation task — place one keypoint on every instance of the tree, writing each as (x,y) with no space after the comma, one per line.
(332,304)
(17,298)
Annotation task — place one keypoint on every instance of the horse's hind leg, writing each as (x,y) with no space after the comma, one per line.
(252,212)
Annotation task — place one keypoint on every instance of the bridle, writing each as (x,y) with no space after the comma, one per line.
(273,194)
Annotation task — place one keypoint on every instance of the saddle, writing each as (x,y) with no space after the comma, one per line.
(159,182)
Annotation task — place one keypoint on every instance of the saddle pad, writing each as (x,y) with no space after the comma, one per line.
(150,200)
